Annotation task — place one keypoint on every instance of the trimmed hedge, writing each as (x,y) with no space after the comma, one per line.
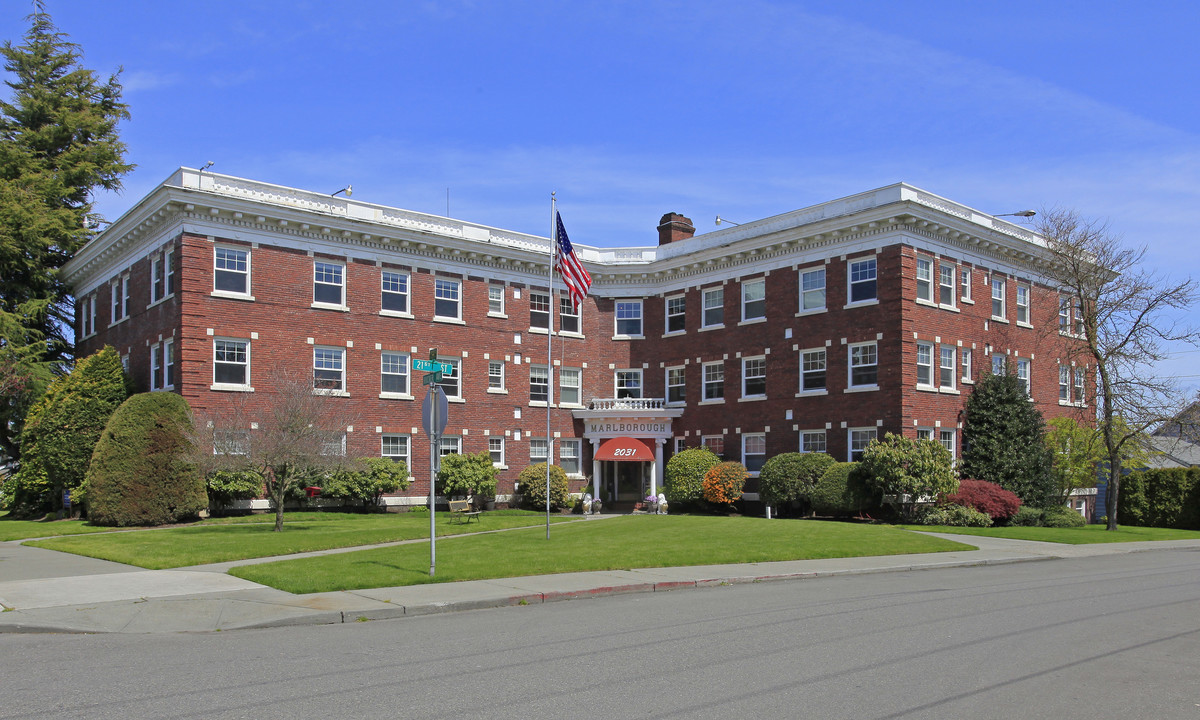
(787,480)
(533,487)
(1061,516)
(368,482)
(952,515)
(842,490)
(226,486)
(1168,498)
(140,473)
(683,481)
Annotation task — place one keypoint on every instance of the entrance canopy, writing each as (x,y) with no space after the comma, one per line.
(624,449)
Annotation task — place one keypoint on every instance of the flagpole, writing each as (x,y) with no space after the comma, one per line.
(550,352)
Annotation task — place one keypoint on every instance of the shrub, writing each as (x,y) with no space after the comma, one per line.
(140,473)
(683,482)
(987,497)
(952,515)
(225,486)
(1161,498)
(788,479)
(908,470)
(1060,516)
(472,474)
(841,491)
(366,483)
(723,483)
(533,487)
(1026,517)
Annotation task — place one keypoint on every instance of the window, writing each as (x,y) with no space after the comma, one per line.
(1064,384)
(568,315)
(495,375)
(568,456)
(925,434)
(1077,309)
(925,364)
(449,445)
(329,369)
(169,270)
(539,383)
(714,307)
(864,365)
(754,452)
(714,381)
(1079,396)
(754,300)
(754,377)
(676,384)
(334,444)
(862,280)
(629,318)
(158,279)
(859,439)
(568,386)
(999,364)
(812,370)
(231,363)
(87,316)
(495,300)
(446,298)
(1023,375)
(965,280)
(539,310)
(946,438)
(169,363)
(394,373)
(998,297)
(395,448)
(1064,314)
(449,383)
(946,368)
(162,365)
(812,290)
(119,290)
(496,451)
(812,441)
(231,271)
(967,369)
(946,285)
(629,383)
(231,442)
(395,292)
(539,451)
(715,443)
(328,283)
(1023,304)
(925,279)
(156,367)
(676,314)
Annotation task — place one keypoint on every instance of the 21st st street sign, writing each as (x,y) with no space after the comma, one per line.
(420,365)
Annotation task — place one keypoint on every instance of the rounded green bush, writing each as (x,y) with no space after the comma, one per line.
(788,479)
(1026,517)
(952,515)
(533,487)
(840,491)
(683,481)
(140,473)
(225,486)
(1059,516)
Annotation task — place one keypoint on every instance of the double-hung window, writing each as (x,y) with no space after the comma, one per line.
(394,296)
(539,451)
(449,445)
(676,384)
(714,381)
(754,300)
(329,283)
(812,370)
(998,306)
(812,441)
(676,314)
(495,375)
(925,279)
(1079,396)
(1023,367)
(754,377)
(119,290)
(964,276)
(329,369)
(629,318)
(496,451)
(395,448)
(1023,303)
(1064,384)
(447,298)
(231,271)
(450,381)
(925,364)
(999,364)
(231,364)
(169,271)
(1064,314)
(714,307)
(946,438)
(629,383)
(393,373)
(968,374)
(158,279)
(539,383)
(812,290)
(568,315)
(568,386)
(568,456)
(539,310)
(862,280)
(162,365)
(754,452)
(946,367)
(864,365)
(496,300)
(859,439)
(715,443)
(946,284)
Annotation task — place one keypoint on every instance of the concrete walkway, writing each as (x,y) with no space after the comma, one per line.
(46,591)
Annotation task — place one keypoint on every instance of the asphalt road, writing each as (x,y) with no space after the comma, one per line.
(1102,637)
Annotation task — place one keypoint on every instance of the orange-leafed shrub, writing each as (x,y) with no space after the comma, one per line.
(723,483)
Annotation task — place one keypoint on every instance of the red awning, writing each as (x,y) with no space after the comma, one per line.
(625,449)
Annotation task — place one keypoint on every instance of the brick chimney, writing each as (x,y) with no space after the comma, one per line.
(674,227)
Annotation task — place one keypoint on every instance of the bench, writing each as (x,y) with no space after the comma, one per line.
(462,509)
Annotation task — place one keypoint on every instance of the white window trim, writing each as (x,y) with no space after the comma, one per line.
(336,392)
(850,439)
(578,445)
(407,314)
(641,381)
(704,293)
(458,303)
(233,294)
(927,282)
(389,395)
(232,387)
(704,398)
(755,396)
(577,388)
(850,263)
(503,389)
(953,285)
(931,348)
(824,292)
(320,305)
(667,332)
(746,437)
(850,386)
(501,312)
(745,285)
(503,463)
(667,384)
(617,335)
(824,437)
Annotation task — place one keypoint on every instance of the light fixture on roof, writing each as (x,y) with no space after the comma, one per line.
(349,190)
(727,222)
(207,165)
(1022,213)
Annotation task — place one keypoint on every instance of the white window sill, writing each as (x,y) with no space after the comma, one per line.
(813,393)
(752,398)
(677,403)
(1024,325)
(497,391)
(966,381)
(537,403)
(227,295)
(949,308)
(949,391)
(628,337)
(752,321)
(394,396)
(115,323)
(227,387)
(159,301)
(996,318)
(447,320)
(396,314)
(333,393)
(812,311)
(926,303)
(707,328)
(329,306)
(456,400)
(926,388)
(674,333)
(570,334)
(572,406)
(538,330)
(861,303)
(717,401)
(966,301)
(502,316)
(861,388)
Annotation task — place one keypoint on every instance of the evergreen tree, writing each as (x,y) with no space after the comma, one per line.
(58,144)
(1002,441)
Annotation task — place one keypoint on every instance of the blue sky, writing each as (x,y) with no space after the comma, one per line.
(632,109)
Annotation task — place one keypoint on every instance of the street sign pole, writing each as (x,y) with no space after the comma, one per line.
(434,413)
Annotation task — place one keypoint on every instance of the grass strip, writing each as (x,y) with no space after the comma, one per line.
(20,529)
(636,541)
(159,549)
(1069,536)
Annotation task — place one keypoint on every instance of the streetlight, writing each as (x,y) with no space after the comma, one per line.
(727,222)
(1022,213)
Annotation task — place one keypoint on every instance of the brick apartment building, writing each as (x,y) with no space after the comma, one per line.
(815,330)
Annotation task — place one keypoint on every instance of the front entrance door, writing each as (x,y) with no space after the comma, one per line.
(624,481)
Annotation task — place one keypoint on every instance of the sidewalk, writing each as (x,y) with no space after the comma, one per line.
(47,591)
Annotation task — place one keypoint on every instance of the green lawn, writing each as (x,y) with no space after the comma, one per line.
(19,529)
(636,541)
(253,536)
(1070,536)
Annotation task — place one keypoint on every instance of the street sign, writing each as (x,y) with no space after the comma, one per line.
(432,423)
(429,366)
(431,378)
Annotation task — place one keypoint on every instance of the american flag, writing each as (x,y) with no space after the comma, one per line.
(567,263)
